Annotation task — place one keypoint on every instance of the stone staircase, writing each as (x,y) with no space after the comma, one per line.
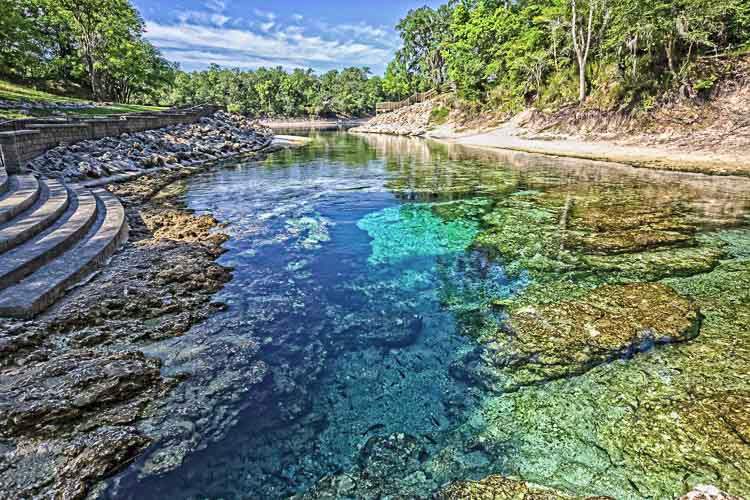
(52,236)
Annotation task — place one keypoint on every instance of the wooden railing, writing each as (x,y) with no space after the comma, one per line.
(387,107)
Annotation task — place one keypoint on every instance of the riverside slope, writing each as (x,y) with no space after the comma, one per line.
(710,136)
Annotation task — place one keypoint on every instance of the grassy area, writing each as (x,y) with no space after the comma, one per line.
(439,115)
(18,93)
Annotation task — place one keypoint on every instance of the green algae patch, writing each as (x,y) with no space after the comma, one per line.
(549,341)
(626,221)
(411,231)
(502,488)
(526,236)
(655,265)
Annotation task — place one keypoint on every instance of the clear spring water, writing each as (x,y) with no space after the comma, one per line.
(341,273)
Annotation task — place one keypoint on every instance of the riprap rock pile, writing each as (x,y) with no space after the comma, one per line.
(213,138)
(411,120)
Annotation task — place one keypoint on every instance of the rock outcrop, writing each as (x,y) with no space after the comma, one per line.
(79,399)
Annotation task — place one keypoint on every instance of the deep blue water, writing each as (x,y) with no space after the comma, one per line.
(354,332)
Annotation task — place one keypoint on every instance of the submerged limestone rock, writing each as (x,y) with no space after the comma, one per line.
(502,488)
(710,422)
(709,493)
(653,426)
(387,467)
(627,221)
(549,341)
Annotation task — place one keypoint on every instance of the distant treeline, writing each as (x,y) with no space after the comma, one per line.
(273,92)
(611,53)
(97,44)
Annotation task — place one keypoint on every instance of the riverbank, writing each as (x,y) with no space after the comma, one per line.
(85,385)
(710,137)
(636,151)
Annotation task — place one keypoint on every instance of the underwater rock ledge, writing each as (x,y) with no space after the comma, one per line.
(545,342)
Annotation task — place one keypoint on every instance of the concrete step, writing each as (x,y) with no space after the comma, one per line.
(25,259)
(41,289)
(24,193)
(53,200)
(3,180)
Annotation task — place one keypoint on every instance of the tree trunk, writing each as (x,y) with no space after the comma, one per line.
(669,49)
(92,77)
(582,47)
(582,83)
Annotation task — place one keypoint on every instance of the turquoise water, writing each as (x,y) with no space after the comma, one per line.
(357,284)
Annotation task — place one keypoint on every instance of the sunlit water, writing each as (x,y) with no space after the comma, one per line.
(341,272)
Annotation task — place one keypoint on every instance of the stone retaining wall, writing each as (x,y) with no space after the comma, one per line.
(19,146)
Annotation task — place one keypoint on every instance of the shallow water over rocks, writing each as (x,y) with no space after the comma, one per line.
(382,286)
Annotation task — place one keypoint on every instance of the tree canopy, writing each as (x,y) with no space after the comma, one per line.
(98,44)
(616,53)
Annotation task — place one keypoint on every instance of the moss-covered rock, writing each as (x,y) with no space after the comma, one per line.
(549,341)
(628,220)
(501,488)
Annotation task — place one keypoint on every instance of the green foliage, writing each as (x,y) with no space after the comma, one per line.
(93,43)
(439,115)
(420,62)
(507,55)
(273,92)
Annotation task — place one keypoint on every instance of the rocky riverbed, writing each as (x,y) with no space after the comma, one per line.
(83,388)
(388,466)
(212,138)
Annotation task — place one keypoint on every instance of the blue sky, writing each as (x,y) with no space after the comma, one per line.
(288,33)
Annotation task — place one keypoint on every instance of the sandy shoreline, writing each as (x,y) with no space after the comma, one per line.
(713,150)
(509,138)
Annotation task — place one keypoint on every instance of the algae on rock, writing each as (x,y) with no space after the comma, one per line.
(502,488)
(549,341)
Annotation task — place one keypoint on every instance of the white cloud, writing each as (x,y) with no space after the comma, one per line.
(363,30)
(199,59)
(264,14)
(192,40)
(216,5)
(202,18)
